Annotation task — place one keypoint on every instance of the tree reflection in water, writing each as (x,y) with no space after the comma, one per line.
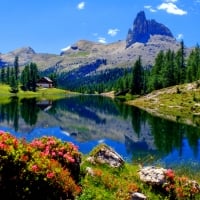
(27,109)
(149,134)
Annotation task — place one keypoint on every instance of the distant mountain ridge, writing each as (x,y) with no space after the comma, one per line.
(87,58)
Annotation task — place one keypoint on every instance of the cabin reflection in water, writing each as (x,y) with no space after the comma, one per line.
(44,105)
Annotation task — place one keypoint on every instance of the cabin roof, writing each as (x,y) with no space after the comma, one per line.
(45,79)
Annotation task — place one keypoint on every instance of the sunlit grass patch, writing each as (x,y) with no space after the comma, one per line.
(110,183)
(4,90)
(51,93)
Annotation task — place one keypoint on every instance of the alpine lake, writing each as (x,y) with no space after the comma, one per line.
(88,120)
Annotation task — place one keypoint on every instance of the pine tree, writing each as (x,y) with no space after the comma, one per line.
(138,77)
(16,67)
(29,77)
(25,78)
(8,75)
(180,64)
(156,77)
(13,82)
(168,69)
(197,61)
(34,76)
(3,75)
(14,75)
(193,65)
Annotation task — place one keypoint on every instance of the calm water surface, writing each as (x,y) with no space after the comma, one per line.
(90,120)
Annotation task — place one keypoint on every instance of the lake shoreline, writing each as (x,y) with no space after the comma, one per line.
(179,103)
(40,93)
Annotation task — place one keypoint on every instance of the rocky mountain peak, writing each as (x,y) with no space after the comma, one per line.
(25,54)
(142,30)
(23,50)
(140,18)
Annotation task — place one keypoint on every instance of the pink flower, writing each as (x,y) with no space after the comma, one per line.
(69,158)
(170,174)
(51,141)
(37,143)
(60,153)
(53,153)
(35,168)
(2,132)
(73,146)
(2,146)
(50,175)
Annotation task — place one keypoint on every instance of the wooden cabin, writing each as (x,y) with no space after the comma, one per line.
(45,82)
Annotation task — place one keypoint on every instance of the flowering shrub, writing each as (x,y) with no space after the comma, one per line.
(180,187)
(39,169)
(66,153)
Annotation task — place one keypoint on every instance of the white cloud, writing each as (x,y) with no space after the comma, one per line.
(113,32)
(179,36)
(66,48)
(171,8)
(102,40)
(81,5)
(173,1)
(148,7)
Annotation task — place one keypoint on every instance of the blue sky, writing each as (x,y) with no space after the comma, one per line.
(49,26)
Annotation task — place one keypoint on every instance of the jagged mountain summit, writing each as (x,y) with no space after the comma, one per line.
(143,29)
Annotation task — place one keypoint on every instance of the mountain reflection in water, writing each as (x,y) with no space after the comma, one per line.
(89,120)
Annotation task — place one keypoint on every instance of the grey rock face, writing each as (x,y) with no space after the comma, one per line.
(143,29)
(106,155)
(153,175)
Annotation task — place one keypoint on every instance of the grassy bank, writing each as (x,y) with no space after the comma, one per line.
(178,103)
(119,184)
(47,93)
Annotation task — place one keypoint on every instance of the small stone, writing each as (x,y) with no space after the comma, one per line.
(91,160)
(89,171)
(138,196)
